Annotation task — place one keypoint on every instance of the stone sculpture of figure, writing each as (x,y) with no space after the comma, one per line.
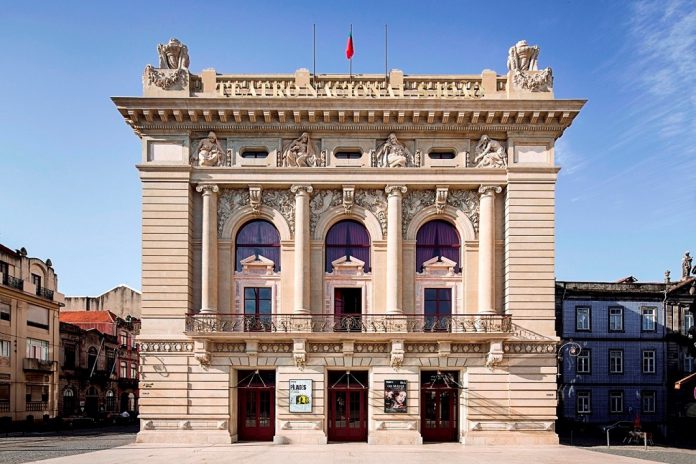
(173,55)
(523,57)
(209,151)
(392,154)
(300,153)
(686,265)
(490,154)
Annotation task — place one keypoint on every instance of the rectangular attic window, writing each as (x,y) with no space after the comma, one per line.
(348,154)
(254,154)
(442,154)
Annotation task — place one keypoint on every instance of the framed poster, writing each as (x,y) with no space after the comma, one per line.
(395,396)
(300,396)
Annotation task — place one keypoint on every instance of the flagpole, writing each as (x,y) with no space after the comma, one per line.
(386,66)
(314,55)
(350,66)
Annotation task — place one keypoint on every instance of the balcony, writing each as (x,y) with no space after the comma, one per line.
(36,406)
(476,325)
(13,282)
(4,405)
(43,292)
(33,364)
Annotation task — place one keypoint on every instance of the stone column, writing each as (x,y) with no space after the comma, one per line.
(209,249)
(394,197)
(301,271)
(486,252)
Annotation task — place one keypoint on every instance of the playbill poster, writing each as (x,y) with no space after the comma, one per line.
(300,396)
(395,393)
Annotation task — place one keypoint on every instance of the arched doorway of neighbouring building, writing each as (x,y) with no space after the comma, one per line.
(92,402)
(68,402)
(128,402)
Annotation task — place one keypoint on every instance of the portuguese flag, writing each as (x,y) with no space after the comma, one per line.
(349,46)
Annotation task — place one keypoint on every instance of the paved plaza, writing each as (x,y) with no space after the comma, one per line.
(89,449)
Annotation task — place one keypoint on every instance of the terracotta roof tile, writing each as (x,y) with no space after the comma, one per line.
(87,316)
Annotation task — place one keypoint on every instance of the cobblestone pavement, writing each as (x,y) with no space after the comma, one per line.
(654,453)
(16,448)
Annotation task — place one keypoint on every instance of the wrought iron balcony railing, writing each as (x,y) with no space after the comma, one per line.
(37,406)
(43,292)
(13,282)
(382,323)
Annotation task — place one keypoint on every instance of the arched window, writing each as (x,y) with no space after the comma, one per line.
(347,238)
(258,238)
(437,239)
(91,359)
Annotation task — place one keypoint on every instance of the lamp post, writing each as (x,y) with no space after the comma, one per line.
(573,349)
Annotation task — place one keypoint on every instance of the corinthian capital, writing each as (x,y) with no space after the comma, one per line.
(486,189)
(395,190)
(207,189)
(301,189)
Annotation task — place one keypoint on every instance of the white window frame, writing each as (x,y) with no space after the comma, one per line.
(648,319)
(588,319)
(37,349)
(648,356)
(616,398)
(5,348)
(616,364)
(616,315)
(583,402)
(687,322)
(649,398)
(688,363)
(583,362)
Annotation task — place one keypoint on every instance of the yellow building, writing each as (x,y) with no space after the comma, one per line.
(29,336)
(348,258)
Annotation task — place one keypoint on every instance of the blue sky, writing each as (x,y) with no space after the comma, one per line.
(626,197)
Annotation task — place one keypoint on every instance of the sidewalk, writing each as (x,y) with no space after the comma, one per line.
(255,453)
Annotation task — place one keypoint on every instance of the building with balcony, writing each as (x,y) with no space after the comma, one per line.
(29,305)
(348,258)
(99,364)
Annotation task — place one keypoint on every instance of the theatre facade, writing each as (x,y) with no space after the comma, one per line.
(334,258)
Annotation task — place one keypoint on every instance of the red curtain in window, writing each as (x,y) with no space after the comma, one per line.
(347,238)
(258,238)
(437,239)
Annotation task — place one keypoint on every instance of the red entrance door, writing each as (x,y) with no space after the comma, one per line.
(439,406)
(348,408)
(256,413)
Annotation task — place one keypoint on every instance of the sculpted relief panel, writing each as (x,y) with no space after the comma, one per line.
(392,154)
(301,153)
(209,152)
(231,200)
(374,201)
(490,154)
(321,202)
(415,201)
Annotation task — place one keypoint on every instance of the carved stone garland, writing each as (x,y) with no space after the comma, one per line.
(232,199)
(415,200)
(322,201)
(376,202)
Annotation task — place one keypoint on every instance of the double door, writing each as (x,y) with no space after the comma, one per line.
(347,414)
(256,418)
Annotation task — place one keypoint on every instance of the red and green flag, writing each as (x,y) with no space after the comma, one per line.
(349,46)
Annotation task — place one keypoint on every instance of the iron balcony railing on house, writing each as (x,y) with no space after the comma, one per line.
(13,282)
(4,406)
(43,292)
(469,323)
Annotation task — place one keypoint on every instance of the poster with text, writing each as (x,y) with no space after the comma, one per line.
(300,396)
(395,393)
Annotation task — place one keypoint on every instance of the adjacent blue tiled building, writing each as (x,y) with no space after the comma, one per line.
(619,372)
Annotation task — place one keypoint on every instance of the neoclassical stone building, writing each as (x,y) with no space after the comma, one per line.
(348,258)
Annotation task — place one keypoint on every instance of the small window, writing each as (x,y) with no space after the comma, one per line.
(123,339)
(36,280)
(134,371)
(110,401)
(616,319)
(688,363)
(123,370)
(687,323)
(616,402)
(647,400)
(69,357)
(616,361)
(4,312)
(583,402)
(582,319)
(37,317)
(348,154)
(584,362)
(37,349)
(4,348)
(5,269)
(254,154)
(648,361)
(442,154)
(648,319)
